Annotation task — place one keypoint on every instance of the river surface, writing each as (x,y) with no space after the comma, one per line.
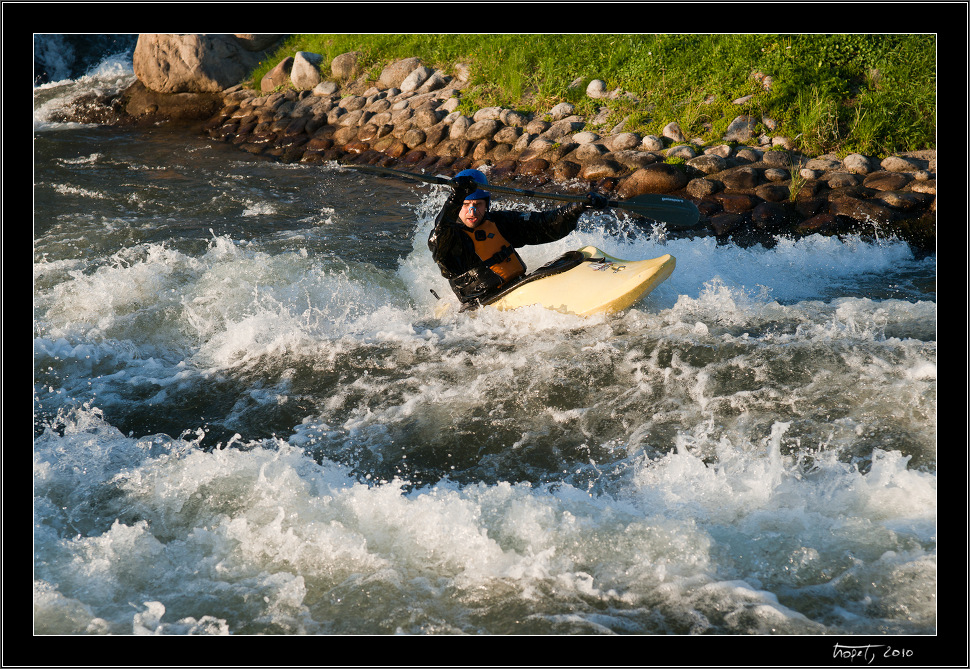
(249,420)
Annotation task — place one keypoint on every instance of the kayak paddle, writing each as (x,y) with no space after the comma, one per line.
(673,211)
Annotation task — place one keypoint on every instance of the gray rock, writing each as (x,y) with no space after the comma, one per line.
(772,192)
(596,89)
(415,78)
(824,163)
(842,180)
(487,113)
(585,137)
(560,129)
(450,105)
(903,200)
(325,88)
(709,163)
(685,151)
(395,73)
(776,174)
(898,164)
(482,129)
(507,134)
(435,82)
(537,126)
(589,151)
(633,159)
(459,126)
(741,129)
(701,188)
(779,159)
(352,102)
(722,150)
(656,178)
(305,73)
(856,163)
(673,132)
(514,118)
(345,66)
(562,110)
(601,169)
(624,141)
(748,155)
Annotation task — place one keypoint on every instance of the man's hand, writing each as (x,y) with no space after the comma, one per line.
(464,186)
(597,201)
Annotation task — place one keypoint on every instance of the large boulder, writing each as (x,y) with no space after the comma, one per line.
(193,63)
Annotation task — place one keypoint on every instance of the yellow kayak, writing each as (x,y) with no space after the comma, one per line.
(587,282)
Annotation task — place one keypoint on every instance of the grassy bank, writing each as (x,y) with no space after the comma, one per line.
(872,94)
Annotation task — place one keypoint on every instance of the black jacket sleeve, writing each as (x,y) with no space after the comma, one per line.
(446,242)
(538,227)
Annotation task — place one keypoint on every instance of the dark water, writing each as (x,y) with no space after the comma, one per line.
(248,419)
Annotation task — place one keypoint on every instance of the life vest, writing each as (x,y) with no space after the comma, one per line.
(497,254)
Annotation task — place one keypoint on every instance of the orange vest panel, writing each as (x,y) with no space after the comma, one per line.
(489,242)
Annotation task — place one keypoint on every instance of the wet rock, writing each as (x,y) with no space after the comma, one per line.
(865,211)
(657,178)
(822,224)
(702,188)
(841,180)
(736,203)
(601,169)
(887,180)
(772,192)
(724,224)
(708,163)
(774,217)
(739,178)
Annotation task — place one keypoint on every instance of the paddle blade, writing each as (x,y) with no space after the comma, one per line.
(674,211)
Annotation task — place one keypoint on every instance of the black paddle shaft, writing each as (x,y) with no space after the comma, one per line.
(673,211)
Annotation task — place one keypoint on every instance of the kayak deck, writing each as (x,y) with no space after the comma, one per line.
(593,283)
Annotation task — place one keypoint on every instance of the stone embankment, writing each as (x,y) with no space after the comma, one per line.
(747,188)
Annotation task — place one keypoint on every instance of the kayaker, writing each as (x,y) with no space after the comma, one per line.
(474,246)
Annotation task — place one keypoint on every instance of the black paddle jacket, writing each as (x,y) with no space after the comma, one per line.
(454,251)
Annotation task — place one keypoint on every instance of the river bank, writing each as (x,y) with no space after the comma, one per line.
(749,189)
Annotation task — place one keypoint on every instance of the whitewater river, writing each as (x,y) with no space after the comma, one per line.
(248,420)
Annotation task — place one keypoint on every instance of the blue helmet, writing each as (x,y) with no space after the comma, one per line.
(479,178)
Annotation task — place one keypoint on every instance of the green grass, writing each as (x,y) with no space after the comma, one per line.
(872,94)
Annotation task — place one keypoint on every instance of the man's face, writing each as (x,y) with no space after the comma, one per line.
(472,212)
